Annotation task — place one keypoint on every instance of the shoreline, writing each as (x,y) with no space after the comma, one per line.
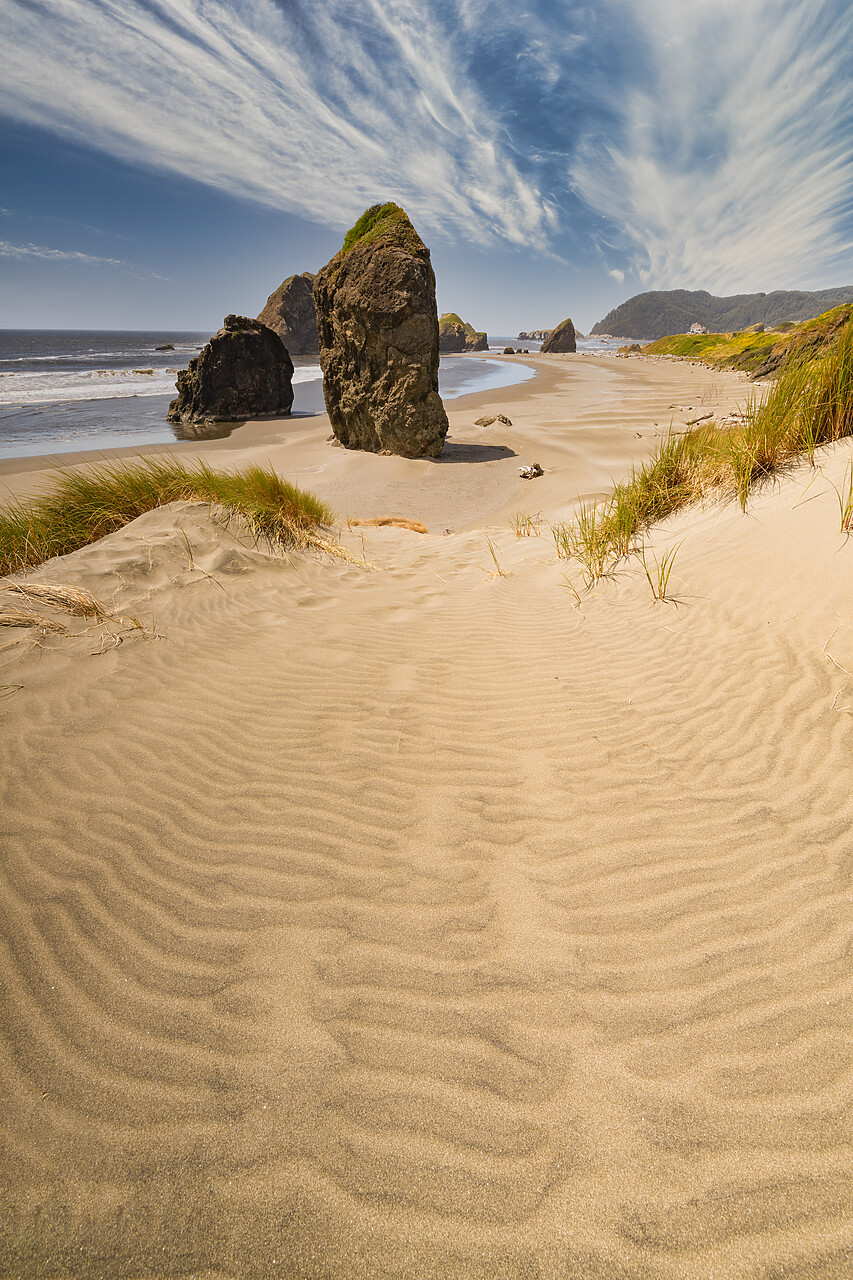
(99,417)
(584,419)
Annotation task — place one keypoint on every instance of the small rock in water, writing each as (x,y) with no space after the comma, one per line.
(529,472)
(167,346)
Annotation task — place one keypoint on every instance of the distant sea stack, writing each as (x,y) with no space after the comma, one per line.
(377,322)
(289,312)
(243,372)
(455,334)
(662,312)
(535,335)
(561,339)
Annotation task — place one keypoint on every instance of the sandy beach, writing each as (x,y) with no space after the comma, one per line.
(413,920)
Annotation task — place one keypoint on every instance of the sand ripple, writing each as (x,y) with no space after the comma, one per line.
(410,924)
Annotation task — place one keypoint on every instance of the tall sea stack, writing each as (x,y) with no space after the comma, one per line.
(243,372)
(561,340)
(289,312)
(377,323)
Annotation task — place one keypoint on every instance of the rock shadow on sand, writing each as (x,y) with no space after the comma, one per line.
(473,453)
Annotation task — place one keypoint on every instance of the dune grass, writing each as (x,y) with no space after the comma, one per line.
(85,505)
(810,405)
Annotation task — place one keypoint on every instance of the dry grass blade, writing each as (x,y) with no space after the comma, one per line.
(383,522)
(526,526)
(498,571)
(22,617)
(845,499)
(563,540)
(337,550)
(74,600)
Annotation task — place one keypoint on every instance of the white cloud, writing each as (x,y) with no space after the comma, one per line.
(321,109)
(708,143)
(732,167)
(8,250)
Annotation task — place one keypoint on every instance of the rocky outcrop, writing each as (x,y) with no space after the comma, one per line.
(289,312)
(243,372)
(377,323)
(561,339)
(535,335)
(456,335)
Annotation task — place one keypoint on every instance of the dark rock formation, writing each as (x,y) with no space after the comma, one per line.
(455,334)
(167,346)
(535,335)
(561,339)
(662,312)
(378,328)
(289,312)
(508,351)
(243,372)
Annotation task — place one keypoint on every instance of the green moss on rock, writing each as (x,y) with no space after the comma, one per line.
(384,222)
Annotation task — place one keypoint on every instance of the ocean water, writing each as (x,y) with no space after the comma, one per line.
(68,390)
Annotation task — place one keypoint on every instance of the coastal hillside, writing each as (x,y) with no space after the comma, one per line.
(662,312)
(756,350)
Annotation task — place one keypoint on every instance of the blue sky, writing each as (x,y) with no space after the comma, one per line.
(167,161)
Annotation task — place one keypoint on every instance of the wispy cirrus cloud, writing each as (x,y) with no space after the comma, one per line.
(729,164)
(44,253)
(315,108)
(689,144)
(9,250)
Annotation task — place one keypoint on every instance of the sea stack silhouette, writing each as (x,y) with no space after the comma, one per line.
(377,323)
(243,372)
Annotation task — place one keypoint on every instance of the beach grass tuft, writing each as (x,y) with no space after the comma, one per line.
(658,574)
(810,405)
(525,525)
(86,505)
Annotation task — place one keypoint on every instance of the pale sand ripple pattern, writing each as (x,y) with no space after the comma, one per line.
(407,924)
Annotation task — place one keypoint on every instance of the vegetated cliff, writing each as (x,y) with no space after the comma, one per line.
(455,334)
(377,322)
(760,353)
(289,312)
(664,312)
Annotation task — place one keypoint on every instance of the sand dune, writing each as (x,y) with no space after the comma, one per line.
(417,922)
